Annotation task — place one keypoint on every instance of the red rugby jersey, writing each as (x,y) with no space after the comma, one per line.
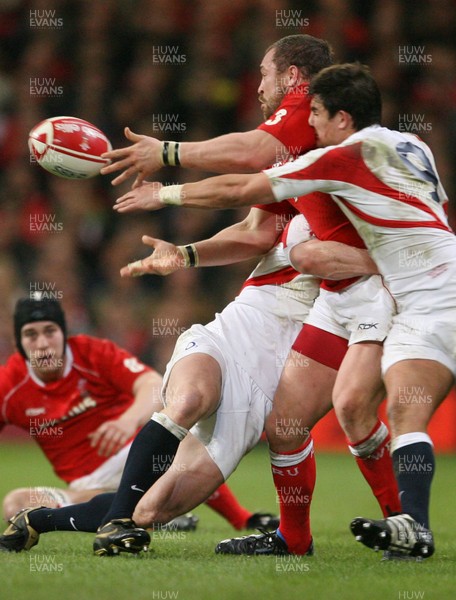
(96,387)
(290,125)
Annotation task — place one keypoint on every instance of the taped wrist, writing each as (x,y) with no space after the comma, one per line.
(171,194)
(190,255)
(170,154)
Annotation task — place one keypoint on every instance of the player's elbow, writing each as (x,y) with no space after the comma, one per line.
(303,260)
(255,153)
(254,162)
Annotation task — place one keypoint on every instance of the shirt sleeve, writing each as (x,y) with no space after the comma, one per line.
(119,366)
(324,170)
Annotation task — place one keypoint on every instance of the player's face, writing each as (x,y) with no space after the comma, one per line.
(271,89)
(328,129)
(43,343)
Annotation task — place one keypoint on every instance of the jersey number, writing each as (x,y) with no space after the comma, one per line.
(277,117)
(419,164)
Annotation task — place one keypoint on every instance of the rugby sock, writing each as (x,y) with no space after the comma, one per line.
(375,463)
(85,516)
(294,475)
(224,502)
(414,464)
(151,454)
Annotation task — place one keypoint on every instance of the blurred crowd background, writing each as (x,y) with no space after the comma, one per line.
(179,70)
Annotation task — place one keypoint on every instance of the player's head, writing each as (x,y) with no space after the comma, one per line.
(40,334)
(289,62)
(345,99)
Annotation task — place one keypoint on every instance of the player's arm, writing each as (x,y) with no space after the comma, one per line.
(331,260)
(309,173)
(246,152)
(223,191)
(112,435)
(252,237)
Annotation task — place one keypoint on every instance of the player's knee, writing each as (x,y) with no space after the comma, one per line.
(144,517)
(148,516)
(14,501)
(187,406)
(285,433)
(352,407)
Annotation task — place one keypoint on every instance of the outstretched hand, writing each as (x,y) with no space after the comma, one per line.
(142,159)
(145,197)
(165,259)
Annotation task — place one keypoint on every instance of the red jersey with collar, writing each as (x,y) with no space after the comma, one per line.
(96,387)
(290,125)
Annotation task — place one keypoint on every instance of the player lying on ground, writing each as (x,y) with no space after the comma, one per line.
(387,184)
(83,399)
(222,376)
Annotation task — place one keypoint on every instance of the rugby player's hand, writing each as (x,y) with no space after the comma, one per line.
(145,197)
(142,158)
(165,259)
(111,436)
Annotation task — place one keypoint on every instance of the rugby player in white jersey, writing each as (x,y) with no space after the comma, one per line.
(334,321)
(387,184)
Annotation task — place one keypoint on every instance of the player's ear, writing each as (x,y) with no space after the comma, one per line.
(294,75)
(345,120)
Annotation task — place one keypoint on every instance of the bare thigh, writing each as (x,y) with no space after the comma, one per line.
(303,396)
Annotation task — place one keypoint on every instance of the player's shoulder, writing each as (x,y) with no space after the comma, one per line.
(14,367)
(86,343)
(86,348)
(82,342)
(95,352)
(297,230)
(12,373)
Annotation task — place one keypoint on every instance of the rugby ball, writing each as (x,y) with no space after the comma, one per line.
(69,147)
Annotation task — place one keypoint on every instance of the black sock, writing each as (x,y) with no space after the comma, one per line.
(151,454)
(85,516)
(414,468)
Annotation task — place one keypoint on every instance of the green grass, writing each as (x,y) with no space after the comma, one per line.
(62,565)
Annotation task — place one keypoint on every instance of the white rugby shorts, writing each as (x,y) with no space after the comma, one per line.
(425,326)
(250,346)
(106,476)
(360,313)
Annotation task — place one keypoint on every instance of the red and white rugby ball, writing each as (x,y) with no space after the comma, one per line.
(69,147)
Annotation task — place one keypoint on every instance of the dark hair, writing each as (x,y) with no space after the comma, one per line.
(306,52)
(349,87)
(29,310)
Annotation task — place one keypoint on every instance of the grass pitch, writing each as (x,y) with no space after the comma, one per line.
(183,565)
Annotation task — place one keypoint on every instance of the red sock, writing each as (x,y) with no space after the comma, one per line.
(224,502)
(294,476)
(374,460)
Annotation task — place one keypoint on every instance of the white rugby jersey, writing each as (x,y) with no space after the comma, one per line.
(275,284)
(387,184)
